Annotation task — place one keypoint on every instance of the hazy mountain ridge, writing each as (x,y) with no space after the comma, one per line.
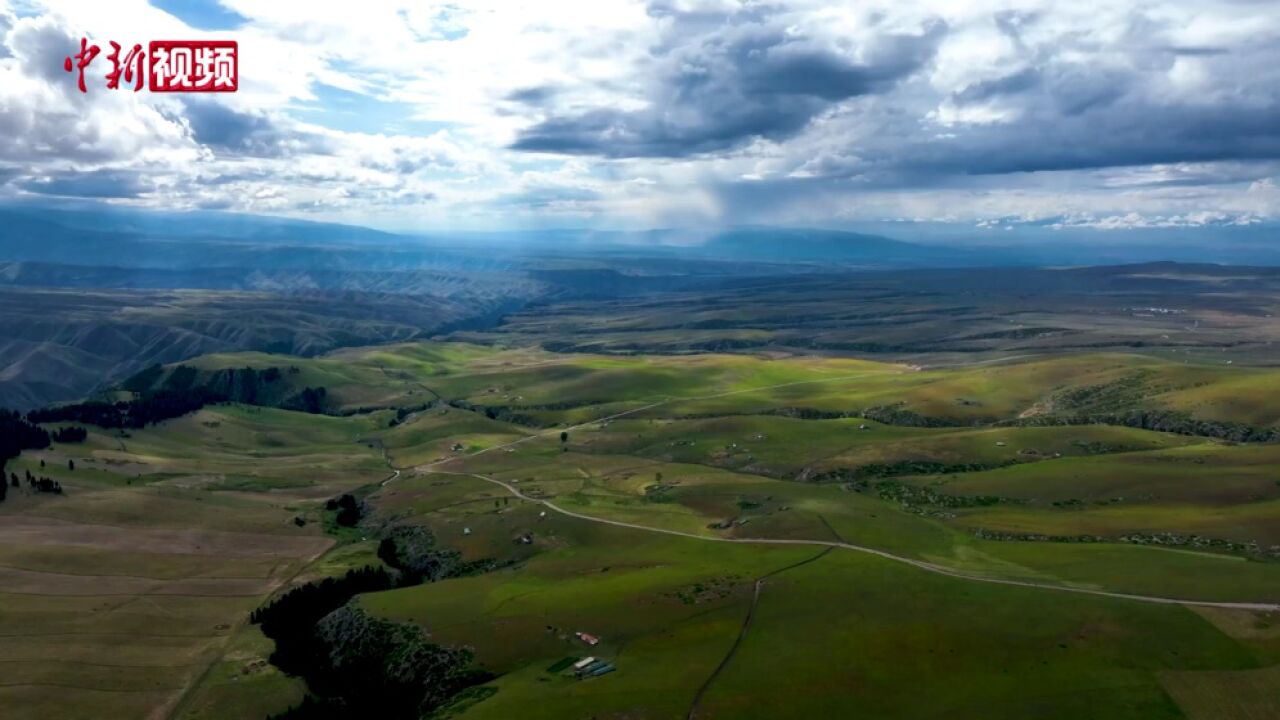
(92,293)
(58,345)
(409,282)
(96,234)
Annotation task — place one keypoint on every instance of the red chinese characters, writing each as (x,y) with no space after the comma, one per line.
(130,67)
(83,58)
(194,66)
(166,66)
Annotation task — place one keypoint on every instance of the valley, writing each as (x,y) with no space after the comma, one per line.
(640,360)
(862,515)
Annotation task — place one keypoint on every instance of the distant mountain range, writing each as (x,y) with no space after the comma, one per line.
(96,234)
(90,293)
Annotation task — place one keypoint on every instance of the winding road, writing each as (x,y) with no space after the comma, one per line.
(921,564)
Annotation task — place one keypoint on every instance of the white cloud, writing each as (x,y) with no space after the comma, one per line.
(1021,108)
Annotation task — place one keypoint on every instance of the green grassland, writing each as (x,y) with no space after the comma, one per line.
(131,588)
(172,533)
(668,467)
(905,644)
(789,447)
(911,644)
(1204,473)
(552,388)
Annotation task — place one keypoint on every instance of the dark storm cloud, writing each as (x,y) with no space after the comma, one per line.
(1075,88)
(722,81)
(215,125)
(1200,143)
(1065,110)
(774,67)
(1115,136)
(1132,134)
(1196,51)
(532,95)
(1069,115)
(1010,84)
(87,184)
(719,81)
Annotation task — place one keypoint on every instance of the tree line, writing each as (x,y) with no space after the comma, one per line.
(179,396)
(1168,421)
(37,483)
(71,434)
(355,665)
(16,435)
(151,407)
(358,666)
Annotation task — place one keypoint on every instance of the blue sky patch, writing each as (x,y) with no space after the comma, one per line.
(202,14)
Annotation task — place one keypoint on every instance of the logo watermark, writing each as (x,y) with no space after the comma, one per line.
(166,66)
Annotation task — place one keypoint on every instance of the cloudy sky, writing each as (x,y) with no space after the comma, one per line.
(612,113)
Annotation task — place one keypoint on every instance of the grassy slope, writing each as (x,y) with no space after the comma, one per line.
(250,470)
(409,374)
(846,633)
(121,592)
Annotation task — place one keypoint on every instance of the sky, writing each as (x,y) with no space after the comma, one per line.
(497,114)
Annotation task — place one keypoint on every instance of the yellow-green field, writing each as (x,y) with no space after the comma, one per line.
(128,595)
(123,592)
